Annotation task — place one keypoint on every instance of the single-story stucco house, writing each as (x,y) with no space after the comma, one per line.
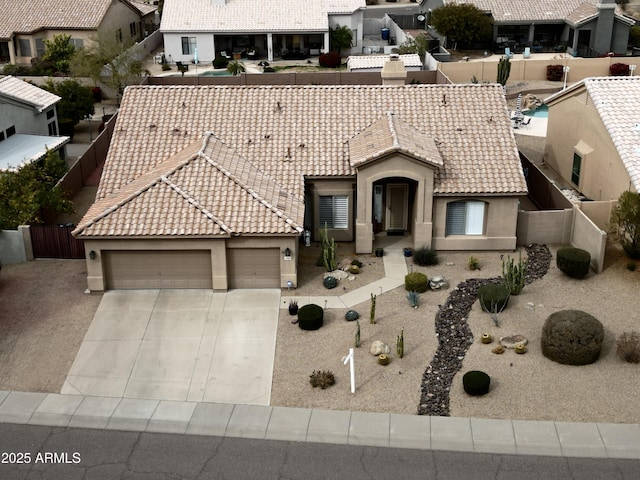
(214,186)
(593,137)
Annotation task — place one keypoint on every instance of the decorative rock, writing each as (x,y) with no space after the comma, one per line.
(530,305)
(438,282)
(499,349)
(449,264)
(338,274)
(351,278)
(384,359)
(513,340)
(344,264)
(520,348)
(379,347)
(486,338)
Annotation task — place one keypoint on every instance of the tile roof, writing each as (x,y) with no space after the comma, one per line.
(536,10)
(16,89)
(26,16)
(145,8)
(253,15)
(288,132)
(617,100)
(358,62)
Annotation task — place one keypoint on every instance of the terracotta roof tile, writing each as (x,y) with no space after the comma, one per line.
(270,137)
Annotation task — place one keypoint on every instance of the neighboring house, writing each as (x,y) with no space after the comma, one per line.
(587,28)
(25,25)
(28,123)
(213,186)
(593,137)
(374,63)
(256,28)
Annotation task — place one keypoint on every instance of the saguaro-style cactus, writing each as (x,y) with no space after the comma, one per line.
(513,274)
(504,69)
(372,312)
(400,344)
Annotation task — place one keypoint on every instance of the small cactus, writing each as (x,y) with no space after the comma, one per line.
(357,341)
(330,282)
(414,299)
(400,344)
(372,311)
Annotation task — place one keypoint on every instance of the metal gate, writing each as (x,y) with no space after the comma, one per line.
(55,241)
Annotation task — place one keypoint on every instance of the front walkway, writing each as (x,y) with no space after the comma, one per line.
(185,345)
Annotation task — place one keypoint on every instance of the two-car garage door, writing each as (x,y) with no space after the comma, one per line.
(246,268)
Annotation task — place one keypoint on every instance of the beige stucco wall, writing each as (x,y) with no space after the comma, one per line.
(575,126)
(332,187)
(288,268)
(501,216)
(544,226)
(395,166)
(587,235)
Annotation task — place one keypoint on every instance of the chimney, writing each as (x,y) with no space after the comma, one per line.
(393,71)
(219,2)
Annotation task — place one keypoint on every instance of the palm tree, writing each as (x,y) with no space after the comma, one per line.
(341,38)
(235,68)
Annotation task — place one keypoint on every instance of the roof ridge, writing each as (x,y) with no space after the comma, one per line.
(245,186)
(392,129)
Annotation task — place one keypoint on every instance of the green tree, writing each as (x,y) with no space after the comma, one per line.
(418,45)
(340,38)
(76,100)
(462,23)
(58,52)
(30,191)
(625,218)
(634,36)
(235,68)
(109,60)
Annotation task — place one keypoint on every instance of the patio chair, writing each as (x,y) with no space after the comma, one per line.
(507,52)
(525,123)
(182,67)
(224,54)
(527,52)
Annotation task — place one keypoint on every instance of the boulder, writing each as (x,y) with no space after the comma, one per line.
(379,347)
(513,340)
(337,274)
(438,283)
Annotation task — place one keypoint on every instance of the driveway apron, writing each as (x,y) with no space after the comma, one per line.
(186,345)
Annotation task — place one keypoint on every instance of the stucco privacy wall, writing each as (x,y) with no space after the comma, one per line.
(217,247)
(587,235)
(599,212)
(397,167)
(12,246)
(544,226)
(531,69)
(501,215)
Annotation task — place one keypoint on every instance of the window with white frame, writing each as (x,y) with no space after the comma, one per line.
(465,218)
(188,45)
(77,43)
(25,47)
(334,211)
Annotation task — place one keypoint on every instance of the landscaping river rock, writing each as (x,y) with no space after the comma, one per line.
(455,337)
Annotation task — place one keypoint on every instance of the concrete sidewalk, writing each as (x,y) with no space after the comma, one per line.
(324,426)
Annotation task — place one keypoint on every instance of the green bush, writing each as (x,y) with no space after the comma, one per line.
(351,316)
(425,256)
(310,317)
(416,282)
(575,262)
(572,337)
(476,382)
(330,282)
(619,70)
(493,297)
(220,62)
(330,60)
(555,72)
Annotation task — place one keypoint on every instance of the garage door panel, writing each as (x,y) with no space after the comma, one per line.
(254,267)
(158,269)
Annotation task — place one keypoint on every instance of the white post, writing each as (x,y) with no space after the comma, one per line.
(352,369)
(566,74)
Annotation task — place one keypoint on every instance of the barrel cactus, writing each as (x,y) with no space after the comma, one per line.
(330,282)
(351,316)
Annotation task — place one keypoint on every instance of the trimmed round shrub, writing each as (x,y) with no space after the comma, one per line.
(493,297)
(575,262)
(220,62)
(330,60)
(572,337)
(476,383)
(416,282)
(310,317)
(330,282)
(425,256)
(351,316)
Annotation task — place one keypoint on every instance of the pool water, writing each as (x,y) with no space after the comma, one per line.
(541,112)
(215,73)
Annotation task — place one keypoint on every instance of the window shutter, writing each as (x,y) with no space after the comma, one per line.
(326,212)
(474,222)
(455,218)
(341,211)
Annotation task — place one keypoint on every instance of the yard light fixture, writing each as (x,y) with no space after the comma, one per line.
(565,69)
(632,68)
(287,252)
(92,255)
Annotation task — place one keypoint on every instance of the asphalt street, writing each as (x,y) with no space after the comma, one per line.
(35,452)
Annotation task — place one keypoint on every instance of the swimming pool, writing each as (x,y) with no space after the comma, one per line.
(215,73)
(541,112)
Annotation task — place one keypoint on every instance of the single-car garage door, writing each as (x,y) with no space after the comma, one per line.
(157,269)
(254,267)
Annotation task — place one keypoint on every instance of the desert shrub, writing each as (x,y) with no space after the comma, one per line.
(631,266)
(476,382)
(330,60)
(425,256)
(473,263)
(629,347)
(322,379)
(574,262)
(310,317)
(330,282)
(554,73)
(416,282)
(619,70)
(220,62)
(493,297)
(351,315)
(572,337)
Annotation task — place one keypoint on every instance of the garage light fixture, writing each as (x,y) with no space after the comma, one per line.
(92,255)
(287,252)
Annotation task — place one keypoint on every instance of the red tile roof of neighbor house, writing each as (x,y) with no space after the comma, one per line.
(268,138)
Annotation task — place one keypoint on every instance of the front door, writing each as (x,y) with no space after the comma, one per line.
(396,206)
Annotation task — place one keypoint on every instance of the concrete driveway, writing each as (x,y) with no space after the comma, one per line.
(186,345)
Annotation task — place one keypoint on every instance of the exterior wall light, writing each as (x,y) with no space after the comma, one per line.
(92,255)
